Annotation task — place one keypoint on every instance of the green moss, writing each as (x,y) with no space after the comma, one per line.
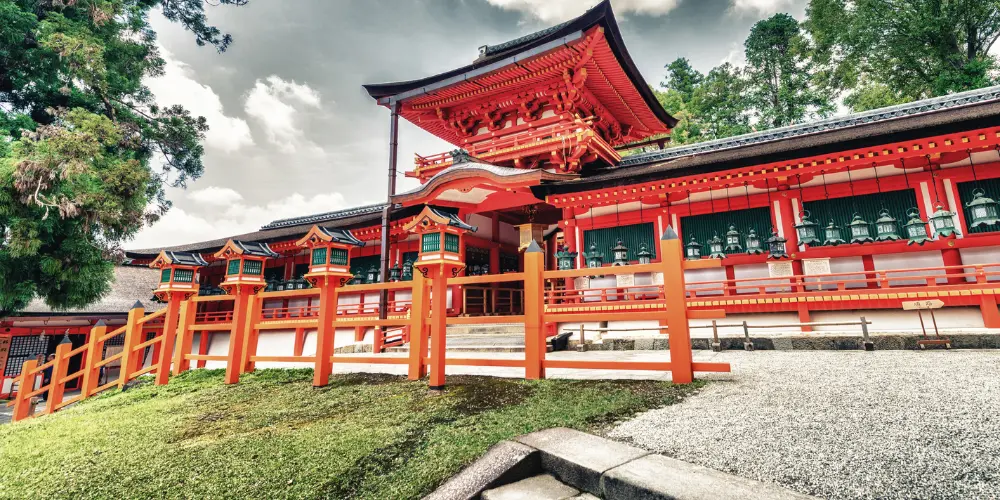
(274,435)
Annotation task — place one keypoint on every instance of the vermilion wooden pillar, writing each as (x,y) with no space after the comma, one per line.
(179,278)
(534,297)
(672,255)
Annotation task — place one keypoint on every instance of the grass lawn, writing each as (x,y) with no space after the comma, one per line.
(273,435)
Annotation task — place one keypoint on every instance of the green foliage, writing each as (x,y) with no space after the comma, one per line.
(81,139)
(273,435)
(903,50)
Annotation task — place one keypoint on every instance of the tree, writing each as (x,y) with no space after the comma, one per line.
(889,51)
(720,103)
(682,78)
(779,69)
(84,150)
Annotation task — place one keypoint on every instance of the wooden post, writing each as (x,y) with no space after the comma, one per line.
(747,343)
(988,308)
(716,345)
(439,327)
(22,403)
(672,261)
(325,331)
(300,341)
(418,336)
(252,335)
(185,336)
(204,338)
(133,337)
(168,338)
(378,338)
(95,346)
(869,345)
(59,371)
(534,338)
(237,333)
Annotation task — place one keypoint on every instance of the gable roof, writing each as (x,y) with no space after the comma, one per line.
(130,283)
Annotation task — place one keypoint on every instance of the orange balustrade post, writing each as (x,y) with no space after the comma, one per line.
(418,329)
(300,341)
(672,256)
(185,336)
(95,346)
(254,307)
(59,371)
(168,337)
(326,330)
(534,337)
(22,403)
(439,327)
(133,337)
(237,334)
(988,307)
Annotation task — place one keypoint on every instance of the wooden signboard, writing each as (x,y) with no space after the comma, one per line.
(780,269)
(4,352)
(922,305)
(813,267)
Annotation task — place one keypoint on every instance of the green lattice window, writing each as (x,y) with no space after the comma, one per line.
(319,256)
(338,256)
(965,189)
(868,206)
(234,266)
(633,236)
(165,275)
(252,267)
(706,226)
(450,242)
(183,275)
(430,242)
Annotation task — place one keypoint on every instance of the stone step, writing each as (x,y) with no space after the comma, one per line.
(487,329)
(540,487)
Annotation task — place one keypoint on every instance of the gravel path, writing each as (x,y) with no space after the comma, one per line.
(889,424)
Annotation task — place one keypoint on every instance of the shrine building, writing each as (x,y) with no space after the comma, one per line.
(559,140)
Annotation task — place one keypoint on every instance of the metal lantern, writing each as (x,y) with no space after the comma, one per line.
(776,246)
(372,276)
(645,256)
(942,222)
(733,240)
(983,209)
(594,258)
(860,230)
(564,259)
(693,250)
(832,234)
(886,228)
(753,243)
(395,272)
(807,230)
(916,228)
(359,277)
(715,248)
(407,270)
(620,251)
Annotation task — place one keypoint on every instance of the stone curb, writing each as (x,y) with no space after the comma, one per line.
(602,467)
(821,342)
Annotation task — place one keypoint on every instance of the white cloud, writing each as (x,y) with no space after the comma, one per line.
(215,196)
(179,226)
(177,86)
(276,103)
(562,10)
(761,7)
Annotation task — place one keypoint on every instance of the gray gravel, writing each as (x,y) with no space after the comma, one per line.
(842,424)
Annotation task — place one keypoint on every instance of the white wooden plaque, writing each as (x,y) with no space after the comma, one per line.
(779,269)
(624,280)
(816,266)
(581,283)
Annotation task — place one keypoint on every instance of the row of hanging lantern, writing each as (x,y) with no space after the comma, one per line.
(396,273)
(886,228)
(595,258)
(775,245)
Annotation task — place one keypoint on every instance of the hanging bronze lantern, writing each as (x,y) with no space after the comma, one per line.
(807,230)
(645,256)
(565,259)
(359,277)
(983,209)
(776,246)
(693,250)
(715,248)
(594,258)
(942,222)
(407,270)
(860,230)
(753,243)
(832,234)
(395,272)
(886,228)
(620,252)
(733,240)
(916,228)
(372,276)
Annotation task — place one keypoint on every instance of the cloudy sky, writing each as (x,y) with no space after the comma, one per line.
(292,131)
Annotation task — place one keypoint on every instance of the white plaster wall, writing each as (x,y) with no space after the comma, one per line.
(910,260)
(575,327)
(840,265)
(895,321)
(277,343)
(750,271)
(218,345)
(982,255)
(783,318)
(713,274)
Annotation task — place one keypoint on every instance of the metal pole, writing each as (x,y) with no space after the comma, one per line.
(869,345)
(383,299)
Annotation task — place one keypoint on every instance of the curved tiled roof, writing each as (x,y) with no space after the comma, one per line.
(324,217)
